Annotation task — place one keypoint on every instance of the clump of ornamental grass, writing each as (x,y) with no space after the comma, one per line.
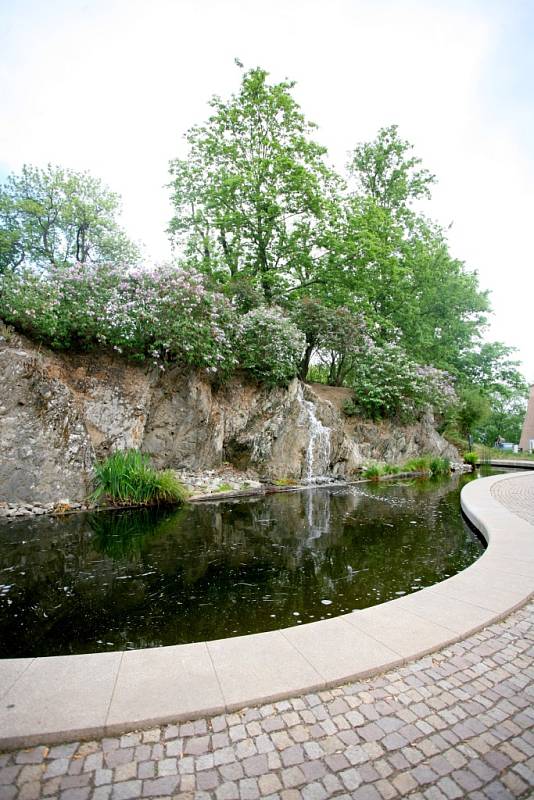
(224,487)
(430,465)
(373,473)
(418,464)
(440,466)
(128,478)
(391,469)
(471,459)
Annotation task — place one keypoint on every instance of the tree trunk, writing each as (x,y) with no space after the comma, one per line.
(305,363)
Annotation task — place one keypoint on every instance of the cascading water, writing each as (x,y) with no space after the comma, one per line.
(319,444)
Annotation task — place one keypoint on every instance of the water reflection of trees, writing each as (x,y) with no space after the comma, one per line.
(136,578)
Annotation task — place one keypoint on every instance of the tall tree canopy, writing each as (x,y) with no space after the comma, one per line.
(351,259)
(394,265)
(285,267)
(54,217)
(386,172)
(251,196)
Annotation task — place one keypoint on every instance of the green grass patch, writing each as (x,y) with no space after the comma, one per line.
(429,465)
(224,487)
(471,458)
(440,466)
(374,472)
(128,478)
(489,453)
(391,469)
(419,464)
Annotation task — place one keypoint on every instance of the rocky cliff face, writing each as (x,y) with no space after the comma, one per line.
(59,412)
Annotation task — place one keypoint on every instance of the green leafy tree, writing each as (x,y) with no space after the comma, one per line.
(252,196)
(312,318)
(505,420)
(491,371)
(285,268)
(387,173)
(471,411)
(435,301)
(492,394)
(344,344)
(393,265)
(54,217)
(336,337)
(492,368)
(341,344)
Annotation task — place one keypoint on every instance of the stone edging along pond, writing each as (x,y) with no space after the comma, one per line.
(10,512)
(59,698)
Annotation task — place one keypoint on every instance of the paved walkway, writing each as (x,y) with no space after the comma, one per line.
(457,723)
(517,495)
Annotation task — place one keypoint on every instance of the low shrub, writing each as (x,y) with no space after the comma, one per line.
(440,466)
(387,383)
(269,346)
(418,464)
(162,314)
(350,408)
(166,314)
(391,469)
(373,472)
(127,477)
(454,437)
(224,487)
(471,458)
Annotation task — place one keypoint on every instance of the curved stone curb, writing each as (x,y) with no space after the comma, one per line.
(47,700)
(517,463)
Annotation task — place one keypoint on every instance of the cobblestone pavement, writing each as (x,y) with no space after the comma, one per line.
(517,495)
(457,723)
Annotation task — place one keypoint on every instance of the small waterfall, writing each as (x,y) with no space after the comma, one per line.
(319,445)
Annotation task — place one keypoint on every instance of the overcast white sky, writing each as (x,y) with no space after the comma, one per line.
(111,85)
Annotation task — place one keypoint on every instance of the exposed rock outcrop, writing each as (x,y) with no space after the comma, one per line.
(59,412)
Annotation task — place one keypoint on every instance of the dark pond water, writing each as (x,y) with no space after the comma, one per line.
(108,581)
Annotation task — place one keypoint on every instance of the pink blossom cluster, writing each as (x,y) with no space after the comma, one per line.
(164,313)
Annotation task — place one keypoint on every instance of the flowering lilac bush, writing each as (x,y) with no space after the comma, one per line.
(387,383)
(269,345)
(166,314)
(170,315)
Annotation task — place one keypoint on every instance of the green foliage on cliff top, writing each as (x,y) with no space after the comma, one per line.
(283,267)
